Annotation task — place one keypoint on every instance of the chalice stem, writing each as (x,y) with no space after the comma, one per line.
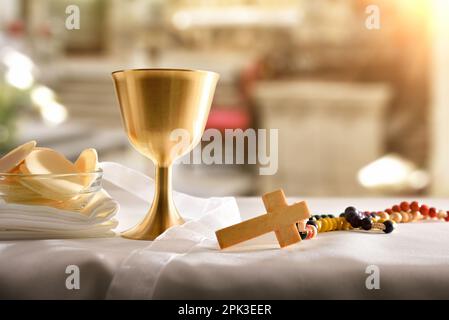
(163,204)
(163,213)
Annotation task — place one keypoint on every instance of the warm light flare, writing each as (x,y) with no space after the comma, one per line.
(54,113)
(20,79)
(51,111)
(238,15)
(19,72)
(16,60)
(42,95)
(392,171)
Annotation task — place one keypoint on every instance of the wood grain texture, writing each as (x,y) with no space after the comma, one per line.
(280,218)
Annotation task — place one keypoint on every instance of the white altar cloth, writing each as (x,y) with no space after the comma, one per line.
(185,263)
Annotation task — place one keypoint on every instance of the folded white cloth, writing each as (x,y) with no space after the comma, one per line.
(139,274)
(35,269)
(101,214)
(135,185)
(18,221)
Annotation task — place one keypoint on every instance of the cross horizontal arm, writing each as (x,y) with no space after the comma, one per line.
(244,231)
(290,215)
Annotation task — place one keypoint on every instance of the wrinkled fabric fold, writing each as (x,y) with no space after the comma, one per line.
(18,221)
(138,275)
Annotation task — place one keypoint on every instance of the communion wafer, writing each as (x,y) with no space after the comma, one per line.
(47,161)
(14,158)
(87,162)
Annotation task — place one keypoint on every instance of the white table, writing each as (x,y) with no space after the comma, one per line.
(413,262)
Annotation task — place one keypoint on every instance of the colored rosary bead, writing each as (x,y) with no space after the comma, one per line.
(389,226)
(405,216)
(356,222)
(315,232)
(396,217)
(441,214)
(313,223)
(369,220)
(424,210)
(383,215)
(350,210)
(405,206)
(346,225)
(414,206)
(324,225)
(386,226)
(432,212)
(311,232)
(334,224)
(341,223)
(366,224)
(329,224)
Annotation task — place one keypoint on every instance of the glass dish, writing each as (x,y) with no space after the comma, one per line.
(62,191)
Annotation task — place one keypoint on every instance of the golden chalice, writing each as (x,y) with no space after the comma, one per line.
(154,103)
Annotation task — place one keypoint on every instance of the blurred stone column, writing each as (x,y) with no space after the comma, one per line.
(440,99)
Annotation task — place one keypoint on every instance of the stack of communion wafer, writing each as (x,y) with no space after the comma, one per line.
(44,195)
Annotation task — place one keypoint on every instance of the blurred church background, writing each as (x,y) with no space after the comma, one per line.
(360,112)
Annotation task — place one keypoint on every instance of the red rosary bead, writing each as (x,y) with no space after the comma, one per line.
(414,206)
(404,206)
(396,208)
(424,210)
(432,212)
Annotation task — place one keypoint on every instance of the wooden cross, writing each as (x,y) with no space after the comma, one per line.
(280,218)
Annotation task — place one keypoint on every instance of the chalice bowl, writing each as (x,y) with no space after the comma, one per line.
(154,104)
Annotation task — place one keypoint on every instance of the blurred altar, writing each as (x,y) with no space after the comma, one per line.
(360,111)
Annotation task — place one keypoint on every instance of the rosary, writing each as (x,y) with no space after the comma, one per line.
(383,220)
(293,223)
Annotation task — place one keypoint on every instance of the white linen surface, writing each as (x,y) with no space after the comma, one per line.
(19,221)
(185,261)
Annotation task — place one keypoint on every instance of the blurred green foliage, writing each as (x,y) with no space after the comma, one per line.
(12,101)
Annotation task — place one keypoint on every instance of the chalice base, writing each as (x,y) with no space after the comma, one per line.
(154,224)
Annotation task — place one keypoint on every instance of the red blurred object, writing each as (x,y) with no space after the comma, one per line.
(424,210)
(432,212)
(221,119)
(414,206)
(405,206)
(16,28)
